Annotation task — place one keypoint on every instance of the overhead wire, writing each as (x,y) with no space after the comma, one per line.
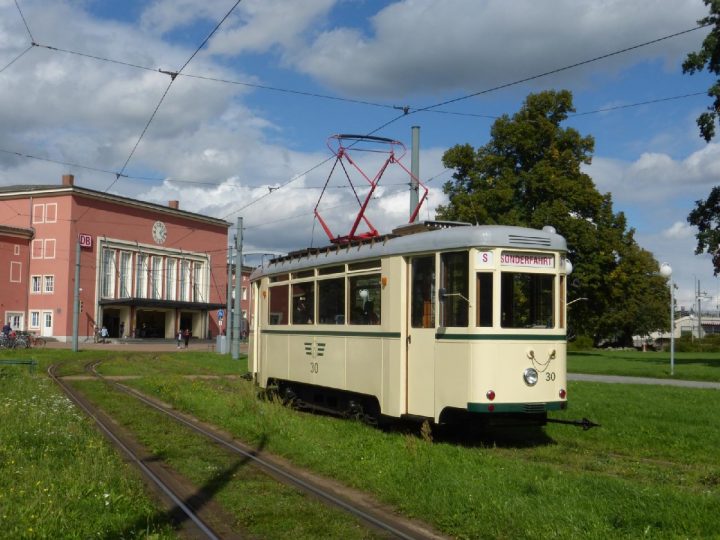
(32,39)
(16,59)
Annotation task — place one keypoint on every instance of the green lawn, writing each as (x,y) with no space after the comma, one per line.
(694,366)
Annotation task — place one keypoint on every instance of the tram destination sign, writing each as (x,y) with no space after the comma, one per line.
(527,260)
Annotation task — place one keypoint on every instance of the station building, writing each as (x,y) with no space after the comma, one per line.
(146,270)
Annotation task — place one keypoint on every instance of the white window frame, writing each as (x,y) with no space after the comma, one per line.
(34,319)
(16,251)
(37,244)
(49,279)
(126,267)
(15,272)
(47,213)
(49,248)
(36,284)
(156,277)
(141,275)
(38,217)
(107,289)
(171,279)
(47,323)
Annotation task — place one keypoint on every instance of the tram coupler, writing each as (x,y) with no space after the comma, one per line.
(584,423)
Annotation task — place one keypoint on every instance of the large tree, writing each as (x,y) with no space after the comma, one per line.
(706,217)
(708,58)
(529,174)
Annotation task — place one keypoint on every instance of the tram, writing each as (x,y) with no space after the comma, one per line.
(437,321)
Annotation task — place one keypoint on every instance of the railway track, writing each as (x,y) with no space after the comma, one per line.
(356,504)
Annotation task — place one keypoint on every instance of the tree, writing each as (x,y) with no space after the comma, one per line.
(529,174)
(706,217)
(708,57)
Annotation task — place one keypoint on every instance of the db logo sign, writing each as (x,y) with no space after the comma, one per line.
(85,240)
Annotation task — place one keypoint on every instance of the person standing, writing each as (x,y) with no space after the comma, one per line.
(186,335)
(179,338)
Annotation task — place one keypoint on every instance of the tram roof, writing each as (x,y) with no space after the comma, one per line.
(440,239)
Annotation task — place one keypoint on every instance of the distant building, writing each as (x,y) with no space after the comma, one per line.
(685,326)
(146,270)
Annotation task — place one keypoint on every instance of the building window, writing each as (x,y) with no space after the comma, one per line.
(51,213)
(49,284)
(184,280)
(141,272)
(36,284)
(244,293)
(157,278)
(17,249)
(198,282)
(37,249)
(49,248)
(15,272)
(125,274)
(108,273)
(34,319)
(170,277)
(38,213)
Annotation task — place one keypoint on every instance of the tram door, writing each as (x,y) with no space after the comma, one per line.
(421,337)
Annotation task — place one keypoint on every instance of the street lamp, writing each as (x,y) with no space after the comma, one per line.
(666,271)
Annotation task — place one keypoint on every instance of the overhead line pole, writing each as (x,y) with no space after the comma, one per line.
(237,314)
(228,309)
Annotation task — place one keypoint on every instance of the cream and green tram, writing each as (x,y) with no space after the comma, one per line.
(452,322)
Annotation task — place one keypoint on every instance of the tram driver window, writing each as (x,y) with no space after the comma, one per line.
(454,304)
(484,299)
(364,299)
(303,302)
(423,292)
(526,300)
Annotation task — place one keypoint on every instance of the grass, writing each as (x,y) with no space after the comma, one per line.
(649,471)
(689,366)
(58,476)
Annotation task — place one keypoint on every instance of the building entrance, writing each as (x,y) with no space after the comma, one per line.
(150,324)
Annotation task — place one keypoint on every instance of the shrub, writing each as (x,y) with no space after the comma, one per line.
(581,343)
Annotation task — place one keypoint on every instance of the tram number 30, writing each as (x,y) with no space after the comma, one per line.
(550,376)
(313,367)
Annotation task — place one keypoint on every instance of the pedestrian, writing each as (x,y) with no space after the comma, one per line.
(104,334)
(122,329)
(186,335)
(7,329)
(179,338)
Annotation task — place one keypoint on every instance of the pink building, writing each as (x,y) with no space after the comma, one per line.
(146,270)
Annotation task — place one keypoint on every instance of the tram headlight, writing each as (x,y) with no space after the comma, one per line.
(531,376)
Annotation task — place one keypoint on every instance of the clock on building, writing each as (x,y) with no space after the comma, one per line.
(159,232)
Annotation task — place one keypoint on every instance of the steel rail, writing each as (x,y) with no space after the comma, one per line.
(263,463)
(72,395)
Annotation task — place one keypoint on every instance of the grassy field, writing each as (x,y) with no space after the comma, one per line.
(650,471)
(696,366)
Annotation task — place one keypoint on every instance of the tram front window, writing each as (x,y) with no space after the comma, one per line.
(527,300)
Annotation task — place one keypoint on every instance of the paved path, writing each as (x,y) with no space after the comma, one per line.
(641,380)
(160,345)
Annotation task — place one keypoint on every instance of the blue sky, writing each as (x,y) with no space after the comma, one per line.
(218,147)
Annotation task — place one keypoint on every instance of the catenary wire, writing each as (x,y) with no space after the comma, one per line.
(16,58)
(32,39)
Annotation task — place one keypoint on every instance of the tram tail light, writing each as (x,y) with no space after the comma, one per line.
(563,393)
(490,394)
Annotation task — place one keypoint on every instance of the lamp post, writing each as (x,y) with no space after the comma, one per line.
(666,271)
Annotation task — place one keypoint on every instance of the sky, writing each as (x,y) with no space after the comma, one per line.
(243,129)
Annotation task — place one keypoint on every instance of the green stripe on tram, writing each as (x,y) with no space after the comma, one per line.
(502,337)
(336,333)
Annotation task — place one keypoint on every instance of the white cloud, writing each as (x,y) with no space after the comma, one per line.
(679,231)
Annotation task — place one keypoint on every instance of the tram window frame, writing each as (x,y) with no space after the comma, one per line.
(303,303)
(326,270)
(484,314)
(454,279)
(561,304)
(422,299)
(302,274)
(365,311)
(331,300)
(374,264)
(278,312)
(537,300)
(280,277)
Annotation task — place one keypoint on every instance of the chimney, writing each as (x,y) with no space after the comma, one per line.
(68,180)
(174,204)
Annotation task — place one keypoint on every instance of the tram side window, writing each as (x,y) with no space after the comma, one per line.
(331,301)
(303,302)
(278,304)
(527,300)
(484,299)
(454,279)
(423,292)
(364,299)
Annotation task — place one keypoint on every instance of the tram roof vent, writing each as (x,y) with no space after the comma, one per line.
(423,226)
(525,240)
